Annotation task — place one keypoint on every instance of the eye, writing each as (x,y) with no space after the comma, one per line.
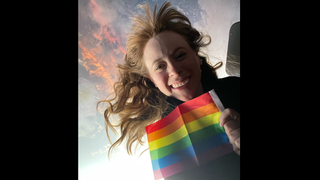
(160,66)
(180,56)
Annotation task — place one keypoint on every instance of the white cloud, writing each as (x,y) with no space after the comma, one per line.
(86,126)
(219,17)
(180,10)
(101,151)
(80,62)
(89,122)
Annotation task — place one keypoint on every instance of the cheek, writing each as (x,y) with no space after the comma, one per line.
(161,81)
(193,66)
(157,80)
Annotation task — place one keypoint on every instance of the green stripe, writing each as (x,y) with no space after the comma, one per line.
(185,142)
(206,132)
(172,148)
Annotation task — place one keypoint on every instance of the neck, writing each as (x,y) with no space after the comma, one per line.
(199,91)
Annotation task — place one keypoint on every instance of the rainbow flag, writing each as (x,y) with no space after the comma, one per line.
(188,137)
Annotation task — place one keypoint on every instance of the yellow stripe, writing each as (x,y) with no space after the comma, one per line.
(187,117)
(182,132)
(173,137)
(203,122)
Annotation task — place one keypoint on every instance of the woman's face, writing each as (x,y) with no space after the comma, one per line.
(173,66)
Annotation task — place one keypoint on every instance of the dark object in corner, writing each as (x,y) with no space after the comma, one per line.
(233,54)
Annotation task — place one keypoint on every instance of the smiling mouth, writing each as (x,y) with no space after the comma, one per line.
(177,85)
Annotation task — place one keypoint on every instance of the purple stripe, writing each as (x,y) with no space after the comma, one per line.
(215,153)
(192,162)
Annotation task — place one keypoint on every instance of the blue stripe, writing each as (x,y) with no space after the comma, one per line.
(173,158)
(189,152)
(211,142)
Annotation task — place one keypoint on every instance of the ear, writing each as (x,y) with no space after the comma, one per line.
(152,80)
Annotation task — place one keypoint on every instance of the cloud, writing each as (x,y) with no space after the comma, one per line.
(101,151)
(102,26)
(217,18)
(180,10)
(86,127)
(80,62)
(89,122)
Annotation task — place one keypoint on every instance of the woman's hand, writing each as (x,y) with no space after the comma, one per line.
(230,120)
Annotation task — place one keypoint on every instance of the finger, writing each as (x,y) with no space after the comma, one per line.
(237,150)
(237,143)
(227,115)
(234,135)
(224,117)
(232,125)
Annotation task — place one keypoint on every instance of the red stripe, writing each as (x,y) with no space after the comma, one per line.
(164,121)
(195,103)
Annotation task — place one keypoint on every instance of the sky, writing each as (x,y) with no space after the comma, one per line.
(102,29)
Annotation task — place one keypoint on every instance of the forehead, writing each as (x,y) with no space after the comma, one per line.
(170,39)
(163,44)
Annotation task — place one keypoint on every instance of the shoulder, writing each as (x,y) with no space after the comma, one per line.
(227,83)
(230,80)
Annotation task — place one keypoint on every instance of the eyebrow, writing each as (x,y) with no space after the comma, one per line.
(159,59)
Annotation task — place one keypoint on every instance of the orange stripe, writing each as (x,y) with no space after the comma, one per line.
(179,122)
(200,112)
(175,125)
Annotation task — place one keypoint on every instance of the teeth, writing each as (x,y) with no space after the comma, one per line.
(180,84)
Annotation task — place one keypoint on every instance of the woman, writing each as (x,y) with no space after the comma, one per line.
(163,68)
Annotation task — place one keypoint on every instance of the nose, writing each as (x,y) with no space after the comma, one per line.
(174,68)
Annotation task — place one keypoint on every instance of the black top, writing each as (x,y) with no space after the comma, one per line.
(226,167)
